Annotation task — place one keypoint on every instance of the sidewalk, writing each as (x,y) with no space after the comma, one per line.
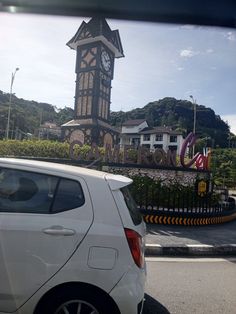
(212,240)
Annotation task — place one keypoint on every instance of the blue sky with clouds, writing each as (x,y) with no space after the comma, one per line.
(160,61)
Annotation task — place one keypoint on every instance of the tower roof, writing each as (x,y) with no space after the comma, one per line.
(94,30)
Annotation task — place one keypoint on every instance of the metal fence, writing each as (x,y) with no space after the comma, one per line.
(187,200)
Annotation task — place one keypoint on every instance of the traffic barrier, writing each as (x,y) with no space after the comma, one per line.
(151,216)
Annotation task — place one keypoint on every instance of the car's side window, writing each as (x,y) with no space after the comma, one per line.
(29,192)
(69,195)
(26,192)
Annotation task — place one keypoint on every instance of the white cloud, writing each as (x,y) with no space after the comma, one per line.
(231,119)
(188,53)
(209,50)
(180,68)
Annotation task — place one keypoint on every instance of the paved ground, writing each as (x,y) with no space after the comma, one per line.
(190,286)
(205,238)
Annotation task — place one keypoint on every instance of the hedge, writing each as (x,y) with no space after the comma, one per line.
(42,148)
(34,148)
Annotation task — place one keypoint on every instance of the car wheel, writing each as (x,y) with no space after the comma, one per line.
(76,302)
(76,306)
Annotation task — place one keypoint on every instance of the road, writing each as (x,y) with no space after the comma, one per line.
(191,286)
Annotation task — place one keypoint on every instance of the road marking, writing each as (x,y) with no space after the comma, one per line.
(190,260)
(154,245)
(191,245)
(199,245)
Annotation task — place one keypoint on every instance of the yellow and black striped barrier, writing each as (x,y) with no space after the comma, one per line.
(186,221)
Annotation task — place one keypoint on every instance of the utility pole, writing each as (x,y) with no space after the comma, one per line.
(10,100)
(194,118)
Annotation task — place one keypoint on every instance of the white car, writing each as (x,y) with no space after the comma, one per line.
(71,241)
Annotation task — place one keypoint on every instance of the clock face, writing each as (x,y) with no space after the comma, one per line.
(106,60)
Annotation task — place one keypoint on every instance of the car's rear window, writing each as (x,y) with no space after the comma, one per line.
(131,205)
(69,195)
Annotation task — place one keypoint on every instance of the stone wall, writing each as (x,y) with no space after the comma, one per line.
(168,177)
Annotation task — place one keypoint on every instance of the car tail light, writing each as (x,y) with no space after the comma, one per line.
(136,246)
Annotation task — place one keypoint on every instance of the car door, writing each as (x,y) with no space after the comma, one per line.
(43,218)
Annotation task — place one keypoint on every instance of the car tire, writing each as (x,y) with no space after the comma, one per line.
(73,302)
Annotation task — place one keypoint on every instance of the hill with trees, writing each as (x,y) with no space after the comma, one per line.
(28,115)
(179,115)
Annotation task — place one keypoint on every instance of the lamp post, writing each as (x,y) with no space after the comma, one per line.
(10,100)
(194,118)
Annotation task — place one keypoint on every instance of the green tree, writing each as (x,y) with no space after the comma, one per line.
(64,115)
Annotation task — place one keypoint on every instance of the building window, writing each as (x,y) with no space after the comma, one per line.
(146,145)
(173,138)
(158,146)
(159,137)
(172,148)
(135,141)
(146,137)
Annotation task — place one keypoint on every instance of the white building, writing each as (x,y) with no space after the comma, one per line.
(49,130)
(162,137)
(130,132)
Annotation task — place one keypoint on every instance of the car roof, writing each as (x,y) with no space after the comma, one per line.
(115,181)
(50,166)
(201,12)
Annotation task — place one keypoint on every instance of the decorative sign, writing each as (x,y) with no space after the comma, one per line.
(202,188)
(128,154)
(201,161)
(143,155)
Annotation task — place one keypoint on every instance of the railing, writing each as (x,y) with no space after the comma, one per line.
(178,201)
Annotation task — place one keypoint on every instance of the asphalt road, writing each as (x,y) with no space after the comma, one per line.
(191,286)
(168,235)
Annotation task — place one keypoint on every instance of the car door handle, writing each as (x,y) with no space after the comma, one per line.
(58,231)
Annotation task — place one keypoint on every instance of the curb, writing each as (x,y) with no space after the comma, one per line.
(186,219)
(190,250)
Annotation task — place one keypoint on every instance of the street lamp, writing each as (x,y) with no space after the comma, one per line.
(194,118)
(10,99)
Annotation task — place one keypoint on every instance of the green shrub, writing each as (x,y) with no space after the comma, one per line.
(34,148)
(43,148)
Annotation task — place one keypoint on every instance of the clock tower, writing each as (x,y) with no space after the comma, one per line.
(96,47)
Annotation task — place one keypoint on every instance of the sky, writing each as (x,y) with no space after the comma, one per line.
(160,61)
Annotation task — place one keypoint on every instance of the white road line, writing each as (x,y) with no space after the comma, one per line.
(189,245)
(199,245)
(154,245)
(190,260)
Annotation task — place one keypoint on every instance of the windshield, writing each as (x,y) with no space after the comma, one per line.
(151,101)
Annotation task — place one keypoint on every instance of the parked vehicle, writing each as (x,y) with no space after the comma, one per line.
(71,241)
(225,200)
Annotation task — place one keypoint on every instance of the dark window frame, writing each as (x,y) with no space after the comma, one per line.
(173,139)
(146,137)
(159,138)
